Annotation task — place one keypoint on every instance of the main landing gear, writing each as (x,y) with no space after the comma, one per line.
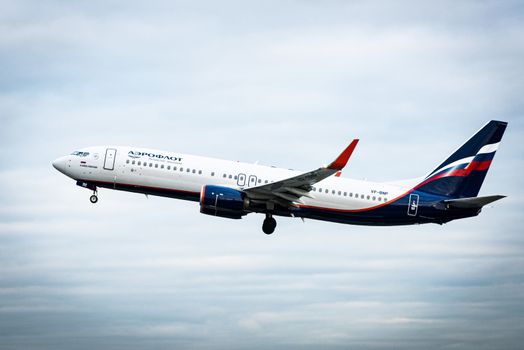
(94,198)
(269,224)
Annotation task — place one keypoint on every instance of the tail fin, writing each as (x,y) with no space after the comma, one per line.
(462,174)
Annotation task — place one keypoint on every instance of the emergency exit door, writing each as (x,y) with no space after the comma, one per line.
(413,204)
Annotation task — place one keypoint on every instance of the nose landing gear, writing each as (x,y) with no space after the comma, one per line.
(94,198)
(269,224)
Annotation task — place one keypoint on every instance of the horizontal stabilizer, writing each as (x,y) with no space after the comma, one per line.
(472,202)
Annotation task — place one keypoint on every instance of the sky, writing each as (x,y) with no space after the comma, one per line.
(284,83)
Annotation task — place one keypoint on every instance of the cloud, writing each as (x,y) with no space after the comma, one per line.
(289,84)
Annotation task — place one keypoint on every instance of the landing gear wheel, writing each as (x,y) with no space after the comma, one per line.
(93,199)
(269,225)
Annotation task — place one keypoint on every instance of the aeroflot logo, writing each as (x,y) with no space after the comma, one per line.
(138,154)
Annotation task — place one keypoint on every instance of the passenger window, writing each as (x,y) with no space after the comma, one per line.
(194,171)
(133,162)
(156,165)
(212,173)
(139,163)
(385,199)
(127,161)
(351,194)
(181,169)
(188,170)
(367,197)
(259,181)
(230,176)
(265,181)
(320,190)
(162,166)
(380,199)
(339,193)
(169,167)
(374,198)
(150,165)
(361,196)
(327,191)
(236,177)
(174,168)
(345,194)
(200,172)
(224,176)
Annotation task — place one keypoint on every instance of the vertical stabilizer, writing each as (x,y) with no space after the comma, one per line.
(461,174)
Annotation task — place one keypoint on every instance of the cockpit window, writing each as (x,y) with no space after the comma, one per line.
(80,154)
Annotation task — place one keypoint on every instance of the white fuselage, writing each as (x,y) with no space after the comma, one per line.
(161,170)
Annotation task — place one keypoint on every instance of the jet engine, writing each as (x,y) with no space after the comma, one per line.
(223,201)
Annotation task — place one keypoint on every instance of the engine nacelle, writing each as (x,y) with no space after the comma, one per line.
(223,201)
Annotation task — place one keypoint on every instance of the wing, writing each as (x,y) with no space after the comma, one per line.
(287,192)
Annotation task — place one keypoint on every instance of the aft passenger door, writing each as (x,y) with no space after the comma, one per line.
(109,161)
(413,204)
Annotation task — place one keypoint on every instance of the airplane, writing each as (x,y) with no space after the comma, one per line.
(231,189)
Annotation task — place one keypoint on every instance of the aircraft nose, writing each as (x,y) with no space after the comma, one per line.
(60,164)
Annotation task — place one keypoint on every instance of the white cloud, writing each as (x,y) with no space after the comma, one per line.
(286,84)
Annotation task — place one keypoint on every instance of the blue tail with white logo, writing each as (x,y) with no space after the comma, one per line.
(461,175)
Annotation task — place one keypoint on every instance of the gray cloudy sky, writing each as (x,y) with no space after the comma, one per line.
(287,83)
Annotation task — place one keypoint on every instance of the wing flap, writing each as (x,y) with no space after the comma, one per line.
(298,192)
(288,197)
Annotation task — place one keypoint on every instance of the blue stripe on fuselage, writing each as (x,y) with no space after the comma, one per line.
(430,210)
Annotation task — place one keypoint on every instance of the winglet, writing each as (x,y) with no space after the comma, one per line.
(342,160)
